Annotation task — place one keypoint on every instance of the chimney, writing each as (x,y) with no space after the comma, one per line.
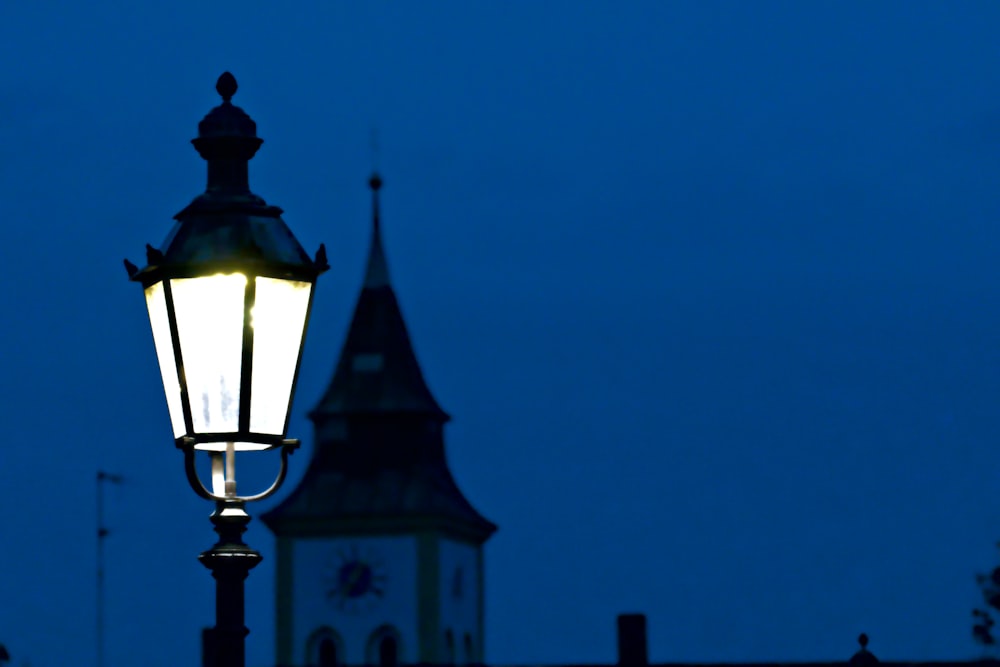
(632,640)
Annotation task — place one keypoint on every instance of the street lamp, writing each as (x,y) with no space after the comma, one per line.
(228,295)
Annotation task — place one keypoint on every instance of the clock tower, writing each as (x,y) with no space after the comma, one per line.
(379,555)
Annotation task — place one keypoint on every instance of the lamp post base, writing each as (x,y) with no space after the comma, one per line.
(230,561)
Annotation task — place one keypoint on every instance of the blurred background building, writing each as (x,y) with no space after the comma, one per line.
(379,554)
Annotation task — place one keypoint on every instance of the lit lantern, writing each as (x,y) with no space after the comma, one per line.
(229,295)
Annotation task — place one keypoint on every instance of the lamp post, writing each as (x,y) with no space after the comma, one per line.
(228,295)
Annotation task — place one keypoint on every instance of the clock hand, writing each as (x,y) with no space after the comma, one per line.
(354,576)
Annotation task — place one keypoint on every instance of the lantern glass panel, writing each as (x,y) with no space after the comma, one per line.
(278,319)
(210,312)
(156,303)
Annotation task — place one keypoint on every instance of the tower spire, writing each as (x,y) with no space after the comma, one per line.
(377,274)
(375,183)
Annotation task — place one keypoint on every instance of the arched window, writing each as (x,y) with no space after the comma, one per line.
(449,647)
(384,647)
(325,648)
(470,657)
(327,653)
(388,652)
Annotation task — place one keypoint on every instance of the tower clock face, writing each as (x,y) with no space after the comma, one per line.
(356,581)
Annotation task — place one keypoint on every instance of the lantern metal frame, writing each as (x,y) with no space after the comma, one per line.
(219,471)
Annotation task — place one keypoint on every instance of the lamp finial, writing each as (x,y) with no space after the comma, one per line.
(226,86)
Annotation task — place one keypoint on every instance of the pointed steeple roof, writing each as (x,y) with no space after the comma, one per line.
(378,372)
(378,465)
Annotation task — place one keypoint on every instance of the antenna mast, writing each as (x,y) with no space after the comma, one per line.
(102,533)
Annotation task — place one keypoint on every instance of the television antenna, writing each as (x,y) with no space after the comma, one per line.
(102,533)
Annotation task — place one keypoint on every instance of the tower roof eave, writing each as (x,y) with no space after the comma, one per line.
(387,500)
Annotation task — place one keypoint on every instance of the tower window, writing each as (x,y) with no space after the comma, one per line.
(327,653)
(384,647)
(449,647)
(366,363)
(325,648)
(387,652)
(470,658)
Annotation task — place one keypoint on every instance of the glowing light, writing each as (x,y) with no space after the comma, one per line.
(156,303)
(218,475)
(279,318)
(209,313)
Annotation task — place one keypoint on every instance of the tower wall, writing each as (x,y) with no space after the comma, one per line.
(354,587)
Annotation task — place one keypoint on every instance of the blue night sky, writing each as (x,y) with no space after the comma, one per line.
(710,289)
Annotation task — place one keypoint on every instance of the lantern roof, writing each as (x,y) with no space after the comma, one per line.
(228,227)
